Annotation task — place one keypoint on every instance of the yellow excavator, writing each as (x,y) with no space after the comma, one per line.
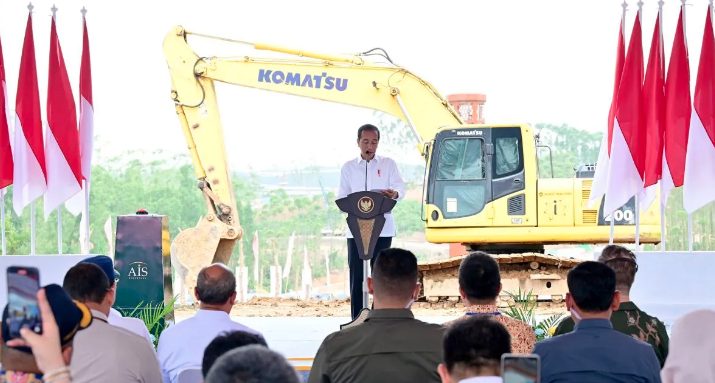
(482,186)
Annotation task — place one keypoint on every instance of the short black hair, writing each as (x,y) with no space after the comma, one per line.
(479,276)
(213,290)
(592,285)
(623,262)
(369,127)
(395,273)
(475,342)
(252,364)
(86,282)
(226,342)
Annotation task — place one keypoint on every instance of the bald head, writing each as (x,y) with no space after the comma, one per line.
(215,285)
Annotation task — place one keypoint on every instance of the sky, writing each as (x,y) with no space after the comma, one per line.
(537,62)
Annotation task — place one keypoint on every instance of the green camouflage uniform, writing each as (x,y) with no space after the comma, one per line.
(630,320)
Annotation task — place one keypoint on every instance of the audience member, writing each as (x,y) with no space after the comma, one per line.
(479,287)
(252,364)
(115,318)
(226,342)
(692,349)
(594,351)
(472,350)
(628,319)
(49,353)
(182,345)
(391,345)
(106,353)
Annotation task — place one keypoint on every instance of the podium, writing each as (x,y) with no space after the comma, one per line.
(366,218)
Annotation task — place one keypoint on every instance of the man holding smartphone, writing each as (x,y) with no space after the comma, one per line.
(369,172)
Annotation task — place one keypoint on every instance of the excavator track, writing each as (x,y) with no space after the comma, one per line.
(543,275)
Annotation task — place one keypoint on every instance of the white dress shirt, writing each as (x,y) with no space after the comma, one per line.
(482,379)
(110,354)
(134,325)
(380,173)
(182,345)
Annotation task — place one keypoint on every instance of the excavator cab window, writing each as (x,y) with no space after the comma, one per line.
(461,159)
(460,186)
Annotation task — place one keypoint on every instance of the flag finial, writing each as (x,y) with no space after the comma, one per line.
(660,5)
(30,6)
(640,5)
(54,10)
(84,11)
(624,5)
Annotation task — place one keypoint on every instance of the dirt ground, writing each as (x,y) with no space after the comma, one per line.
(283,307)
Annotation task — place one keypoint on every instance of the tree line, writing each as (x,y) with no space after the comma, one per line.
(166,186)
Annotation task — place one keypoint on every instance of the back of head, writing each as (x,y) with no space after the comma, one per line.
(226,342)
(592,285)
(252,364)
(691,357)
(215,284)
(479,276)
(106,264)
(394,274)
(473,345)
(86,282)
(623,262)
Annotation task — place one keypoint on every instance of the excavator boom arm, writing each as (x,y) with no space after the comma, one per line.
(342,79)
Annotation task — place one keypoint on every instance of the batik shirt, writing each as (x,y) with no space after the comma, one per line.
(19,377)
(522,335)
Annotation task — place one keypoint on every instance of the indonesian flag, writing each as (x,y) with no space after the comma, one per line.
(699,186)
(64,170)
(653,116)
(29,170)
(86,125)
(677,113)
(5,149)
(626,168)
(600,177)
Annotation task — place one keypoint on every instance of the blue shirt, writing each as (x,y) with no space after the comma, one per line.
(594,352)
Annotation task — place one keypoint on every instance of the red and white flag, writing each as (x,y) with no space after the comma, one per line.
(677,113)
(29,170)
(64,169)
(86,124)
(600,178)
(699,181)
(625,168)
(653,116)
(5,148)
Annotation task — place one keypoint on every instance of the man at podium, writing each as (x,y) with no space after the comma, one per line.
(369,172)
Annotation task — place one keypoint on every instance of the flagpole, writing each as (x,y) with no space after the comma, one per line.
(32,228)
(690,232)
(613,229)
(2,220)
(662,207)
(638,223)
(59,231)
(85,245)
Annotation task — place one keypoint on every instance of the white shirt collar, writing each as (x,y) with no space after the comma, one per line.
(482,379)
(376,158)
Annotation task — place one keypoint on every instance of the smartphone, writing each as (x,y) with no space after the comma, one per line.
(23,309)
(520,368)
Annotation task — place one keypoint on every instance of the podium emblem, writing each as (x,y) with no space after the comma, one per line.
(366,204)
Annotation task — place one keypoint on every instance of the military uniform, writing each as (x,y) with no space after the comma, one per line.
(390,346)
(630,320)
